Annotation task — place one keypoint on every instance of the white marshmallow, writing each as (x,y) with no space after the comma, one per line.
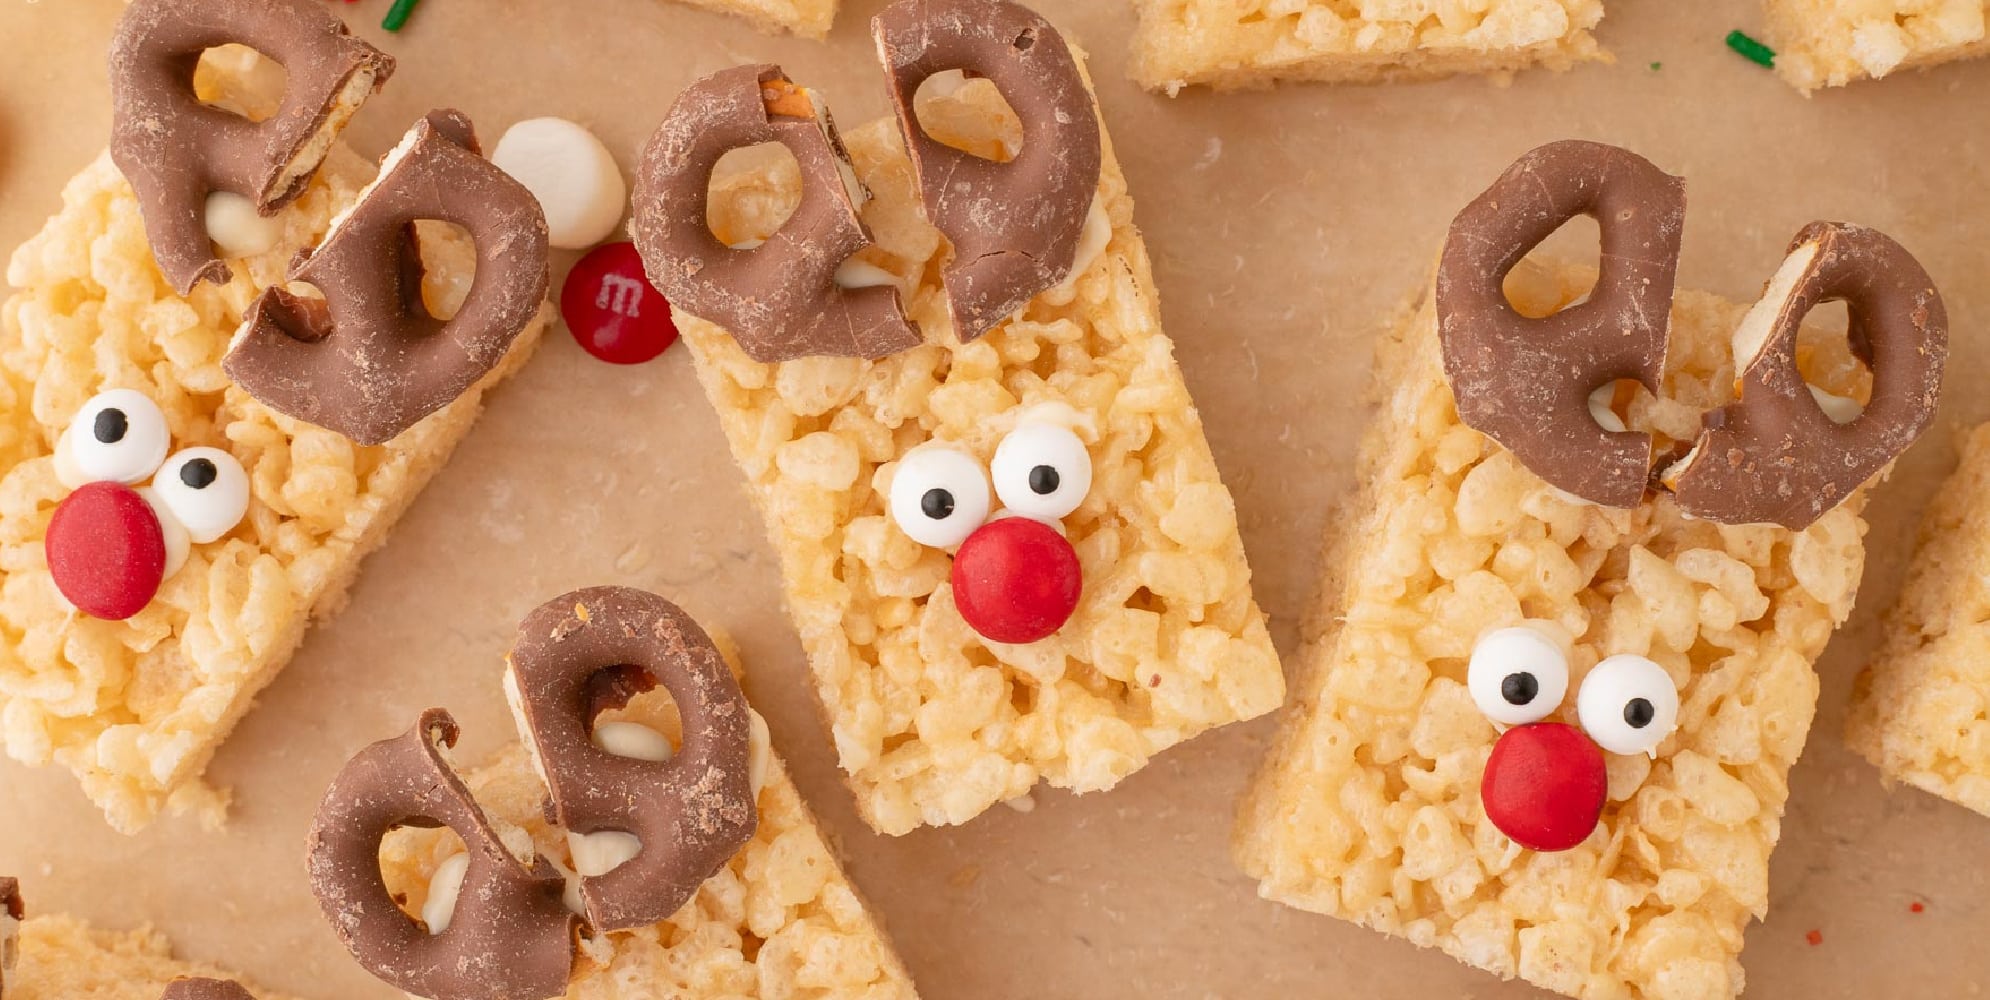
(443,888)
(571,173)
(601,853)
(631,739)
(237,229)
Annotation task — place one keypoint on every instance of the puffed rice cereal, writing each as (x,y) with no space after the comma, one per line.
(62,958)
(780,922)
(1830,43)
(136,708)
(932,723)
(1921,710)
(807,18)
(1368,805)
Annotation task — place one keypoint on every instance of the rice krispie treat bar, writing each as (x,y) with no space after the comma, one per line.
(960,654)
(137,625)
(762,910)
(1547,721)
(1922,707)
(1237,44)
(807,18)
(58,957)
(1830,43)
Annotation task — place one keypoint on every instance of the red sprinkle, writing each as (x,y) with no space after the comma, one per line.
(1545,785)
(1016,580)
(612,310)
(1915,907)
(1815,938)
(106,550)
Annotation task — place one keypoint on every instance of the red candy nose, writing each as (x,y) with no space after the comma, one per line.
(106,550)
(1545,785)
(1016,580)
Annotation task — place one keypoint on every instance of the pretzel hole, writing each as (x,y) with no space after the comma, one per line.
(631,715)
(1536,289)
(968,113)
(753,192)
(411,856)
(1839,378)
(241,81)
(448,260)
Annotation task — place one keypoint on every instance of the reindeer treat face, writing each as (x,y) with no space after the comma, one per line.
(1004,539)
(1550,729)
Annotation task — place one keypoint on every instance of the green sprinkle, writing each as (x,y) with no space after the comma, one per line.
(1750,49)
(397,15)
(1655,67)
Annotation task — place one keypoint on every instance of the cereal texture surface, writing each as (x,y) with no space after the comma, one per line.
(1922,708)
(1233,44)
(779,922)
(932,723)
(136,708)
(1830,43)
(1368,806)
(62,958)
(807,18)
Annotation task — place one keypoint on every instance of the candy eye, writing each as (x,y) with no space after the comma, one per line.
(1628,704)
(1517,675)
(939,496)
(1042,471)
(206,490)
(118,436)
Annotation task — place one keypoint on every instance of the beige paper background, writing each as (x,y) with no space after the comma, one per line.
(1284,226)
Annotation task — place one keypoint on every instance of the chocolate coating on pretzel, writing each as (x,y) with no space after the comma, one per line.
(368,360)
(176,151)
(779,300)
(1524,382)
(200,988)
(584,652)
(1015,226)
(511,938)
(1775,456)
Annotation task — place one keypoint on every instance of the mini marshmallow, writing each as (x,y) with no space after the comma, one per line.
(603,852)
(571,173)
(237,229)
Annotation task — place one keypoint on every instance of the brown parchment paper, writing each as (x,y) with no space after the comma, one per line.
(1284,227)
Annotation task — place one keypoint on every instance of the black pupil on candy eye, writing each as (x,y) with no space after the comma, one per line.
(1043,480)
(110,426)
(1639,713)
(1519,689)
(937,504)
(198,473)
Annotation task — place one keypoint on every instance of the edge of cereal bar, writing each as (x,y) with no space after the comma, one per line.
(63,958)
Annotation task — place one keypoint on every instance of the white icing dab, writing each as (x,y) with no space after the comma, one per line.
(759,753)
(1601,410)
(237,229)
(603,852)
(857,273)
(177,541)
(1841,409)
(443,890)
(631,739)
(1091,243)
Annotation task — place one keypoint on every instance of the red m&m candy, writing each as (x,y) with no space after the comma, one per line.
(1016,580)
(612,310)
(106,550)
(1545,785)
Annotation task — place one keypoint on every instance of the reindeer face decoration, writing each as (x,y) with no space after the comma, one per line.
(1776,455)
(1018,228)
(109,545)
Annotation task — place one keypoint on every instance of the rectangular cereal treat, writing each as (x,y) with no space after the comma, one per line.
(136,708)
(807,18)
(1830,43)
(1368,806)
(1235,44)
(1921,710)
(62,958)
(933,724)
(780,920)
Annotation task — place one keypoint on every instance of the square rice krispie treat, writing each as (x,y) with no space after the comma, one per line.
(1830,43)
(807,18)
(136,707)
(1074,403)
(58,957)
(1236,44)
(1922,707)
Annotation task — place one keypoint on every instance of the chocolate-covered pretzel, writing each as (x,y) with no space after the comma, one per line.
(1775,455)
(368,360)
(510,938)
(11,914)
(176,151)
(200,988)
(779,300)
(1526,383)
(1014,226)
(586,652)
